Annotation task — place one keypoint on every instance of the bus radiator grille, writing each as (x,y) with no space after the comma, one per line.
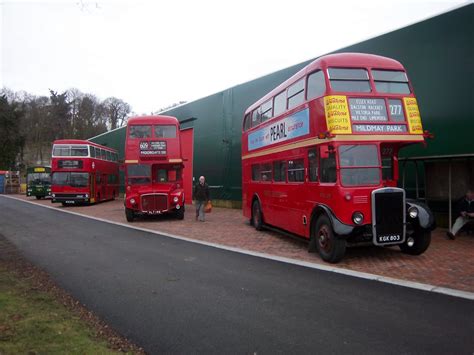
(154,202)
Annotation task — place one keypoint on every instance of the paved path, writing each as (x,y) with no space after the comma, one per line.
(179,297)
(446,263)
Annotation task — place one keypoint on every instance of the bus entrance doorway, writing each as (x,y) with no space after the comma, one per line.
(187,149)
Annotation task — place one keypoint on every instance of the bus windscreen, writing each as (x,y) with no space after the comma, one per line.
(359,165)
(71,179)
(38,178)
(139,174)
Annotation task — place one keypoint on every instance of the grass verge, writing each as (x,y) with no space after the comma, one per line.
(38,317)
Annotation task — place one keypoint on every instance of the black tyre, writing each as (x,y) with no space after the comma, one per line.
(257,220)
(422,242)
(129,214)
(38,197)
(331,248)
(180,214)
(64,204)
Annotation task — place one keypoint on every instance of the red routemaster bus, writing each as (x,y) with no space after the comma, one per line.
(153,167)
(319,156)
(83,172)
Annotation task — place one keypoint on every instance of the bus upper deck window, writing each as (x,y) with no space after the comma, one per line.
(279,104)
(62,151)
(140,131)
(267,110)
(247,122)
(349,79)
(296,94)
(316,85)
(391,81)
(165,131)
(256,117)
(79,151)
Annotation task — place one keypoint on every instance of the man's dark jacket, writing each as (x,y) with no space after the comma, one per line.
(201,192)
(465,205)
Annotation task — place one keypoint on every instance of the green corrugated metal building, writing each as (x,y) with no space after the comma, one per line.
(438,54)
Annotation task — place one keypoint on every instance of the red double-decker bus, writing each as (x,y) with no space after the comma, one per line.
(83,172)
(154,167)
(319,156)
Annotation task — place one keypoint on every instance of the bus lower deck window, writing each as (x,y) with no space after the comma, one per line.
(266,172)
(328,168)
(313,164)
(279,171)
(256,172)
(296,170)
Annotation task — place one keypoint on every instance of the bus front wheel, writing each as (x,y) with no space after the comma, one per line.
(422,240)
(257,219)
(180,214)
(331,248)
(129,214)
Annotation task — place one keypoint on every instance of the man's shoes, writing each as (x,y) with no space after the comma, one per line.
(450,235)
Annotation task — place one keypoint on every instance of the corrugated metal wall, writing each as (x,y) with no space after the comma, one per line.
(437,53)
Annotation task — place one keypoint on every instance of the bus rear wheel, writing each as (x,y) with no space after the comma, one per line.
(257,219)
(129,214)
(422,240)
(330,247)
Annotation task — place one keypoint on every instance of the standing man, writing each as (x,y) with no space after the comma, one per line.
(466,213)
(201,195)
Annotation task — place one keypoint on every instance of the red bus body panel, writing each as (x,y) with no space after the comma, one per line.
(154,197)
(103,180)
(291,205)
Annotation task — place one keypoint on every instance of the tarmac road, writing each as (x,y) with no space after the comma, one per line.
(173,296)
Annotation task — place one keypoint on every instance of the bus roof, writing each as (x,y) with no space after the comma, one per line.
(140,120)
(346,60)
(82,142)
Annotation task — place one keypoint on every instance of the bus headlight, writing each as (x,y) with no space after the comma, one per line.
(413,212)
(132,201)
(175,199)
(54,195)
(87,195)
(357,217)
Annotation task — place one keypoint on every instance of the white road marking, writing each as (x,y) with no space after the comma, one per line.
(338,270)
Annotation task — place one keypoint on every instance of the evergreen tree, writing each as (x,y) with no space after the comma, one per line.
(11,138)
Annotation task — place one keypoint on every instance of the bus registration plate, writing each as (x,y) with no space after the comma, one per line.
(388,239)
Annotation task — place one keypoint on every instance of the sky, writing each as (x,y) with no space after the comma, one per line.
(154,53)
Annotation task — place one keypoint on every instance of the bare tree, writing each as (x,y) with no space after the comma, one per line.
(117,111)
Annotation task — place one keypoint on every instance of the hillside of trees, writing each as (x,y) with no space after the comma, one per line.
(29,123)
